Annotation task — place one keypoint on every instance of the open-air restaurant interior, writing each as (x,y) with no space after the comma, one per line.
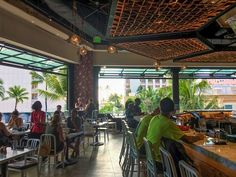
(173,60)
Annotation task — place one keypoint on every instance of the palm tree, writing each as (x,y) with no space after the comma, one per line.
(55,85)
(2,90)
(192,95)
(18,93)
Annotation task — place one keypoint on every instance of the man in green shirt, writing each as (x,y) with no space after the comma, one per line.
(141,130)
(161,126)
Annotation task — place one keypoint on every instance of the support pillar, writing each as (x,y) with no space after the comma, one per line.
(96,71)
(70,86)
(175,87)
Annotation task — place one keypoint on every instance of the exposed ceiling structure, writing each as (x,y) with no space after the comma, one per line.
(182,31)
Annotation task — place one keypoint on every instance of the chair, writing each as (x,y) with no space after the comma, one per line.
(122,151)
(50,141)
(168,163)
(104,129)
(151,164)
(134,155)
(187,170)
(29,162)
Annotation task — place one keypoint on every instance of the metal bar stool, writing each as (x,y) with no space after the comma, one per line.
(187,170)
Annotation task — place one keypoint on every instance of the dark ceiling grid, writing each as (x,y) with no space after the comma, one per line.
(164,16)
(215,57)
(165,49)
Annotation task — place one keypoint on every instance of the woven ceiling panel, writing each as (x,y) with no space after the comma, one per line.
(216,57)
(165,49)
(136,17)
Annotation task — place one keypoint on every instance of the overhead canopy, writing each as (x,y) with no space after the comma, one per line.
(188,73)
(11,56)
(164,31)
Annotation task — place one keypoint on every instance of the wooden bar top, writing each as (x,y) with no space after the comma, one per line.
(213,160)
(224,154)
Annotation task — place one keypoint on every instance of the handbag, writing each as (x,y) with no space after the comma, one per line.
(44,150)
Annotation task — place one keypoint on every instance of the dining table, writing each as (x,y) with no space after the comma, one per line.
(12,154)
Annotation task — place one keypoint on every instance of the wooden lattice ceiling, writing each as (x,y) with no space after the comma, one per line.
(165,49)
(216,57)
(134,17)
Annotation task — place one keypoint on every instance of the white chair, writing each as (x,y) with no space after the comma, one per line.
(168,163)
(29,162)
(187,170)
(50,141)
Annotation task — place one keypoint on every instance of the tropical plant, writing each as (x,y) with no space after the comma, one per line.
(113,104)
(151,97)
(2,90)
(55,85)
(191,94)
(18,93)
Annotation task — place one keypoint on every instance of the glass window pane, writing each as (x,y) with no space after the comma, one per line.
(17,60)
(31,57)
(41,65)
(9,51)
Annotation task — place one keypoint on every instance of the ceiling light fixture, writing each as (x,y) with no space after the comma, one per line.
(75,39)
(183,67)
(111,49)
(157,66)
(83,51)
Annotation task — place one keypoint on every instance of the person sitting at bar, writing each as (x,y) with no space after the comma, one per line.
(162,126)
(4,133)
(130,116)
(90,107)
(137,109)
(55,128)
(15,122)
(141,130)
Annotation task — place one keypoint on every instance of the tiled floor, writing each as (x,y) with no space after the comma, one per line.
(103,161)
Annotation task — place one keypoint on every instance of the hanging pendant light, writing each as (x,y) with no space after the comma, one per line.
(111,49)
(75,39)
(83,51)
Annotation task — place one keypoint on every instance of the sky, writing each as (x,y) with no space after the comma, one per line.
(111,86)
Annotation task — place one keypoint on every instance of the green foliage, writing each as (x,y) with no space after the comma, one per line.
(113,105)
(191,96)
(18,93)
(107,108)
(56,85)
(151,97)
(2,90)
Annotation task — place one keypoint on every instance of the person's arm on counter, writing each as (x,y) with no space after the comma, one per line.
(192,139)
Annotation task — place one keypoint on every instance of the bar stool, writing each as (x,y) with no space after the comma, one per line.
(152,170)
(124,167)
(187,170)
(134,155)
(122,151)
(168,163)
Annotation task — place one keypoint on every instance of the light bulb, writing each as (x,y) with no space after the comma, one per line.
(75,39)
(111,49)
(83,51)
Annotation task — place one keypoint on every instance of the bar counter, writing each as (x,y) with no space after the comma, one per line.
(213,160)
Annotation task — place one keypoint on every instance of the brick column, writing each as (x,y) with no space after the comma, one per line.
(83,79)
